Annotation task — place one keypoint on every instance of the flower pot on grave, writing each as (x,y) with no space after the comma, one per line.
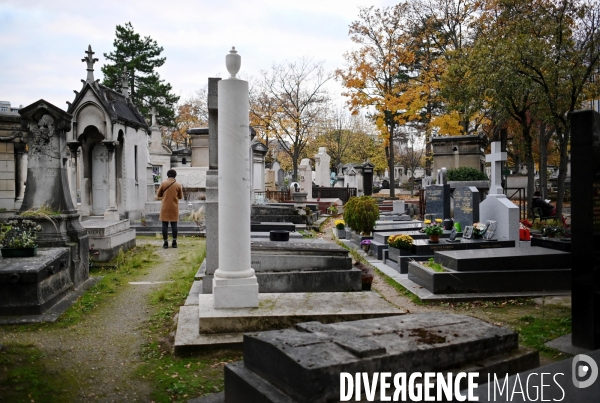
(395,253)
(19,252)
(366,247)
(434,238)
(340,233)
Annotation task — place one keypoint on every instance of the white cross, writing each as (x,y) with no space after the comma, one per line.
(496,158)
(154,115)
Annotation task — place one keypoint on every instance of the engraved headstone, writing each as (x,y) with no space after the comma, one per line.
(466,205)
(437,199)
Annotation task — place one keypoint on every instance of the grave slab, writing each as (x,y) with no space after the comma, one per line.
(505,259)
(489,281)
(424,247)
(552,243)
(304,363)
(276,311)
(327,307)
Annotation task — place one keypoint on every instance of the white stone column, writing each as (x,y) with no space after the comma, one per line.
(21,174)
(111,212)
(234,284)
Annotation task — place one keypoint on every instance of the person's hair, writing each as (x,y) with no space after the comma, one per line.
(171,173)
(538,194)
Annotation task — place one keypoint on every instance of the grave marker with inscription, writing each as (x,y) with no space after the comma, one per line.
(466,205)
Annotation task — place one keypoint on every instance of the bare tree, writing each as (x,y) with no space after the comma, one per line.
(289,103)
(410,154)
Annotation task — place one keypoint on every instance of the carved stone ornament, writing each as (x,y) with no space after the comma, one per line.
(42,132)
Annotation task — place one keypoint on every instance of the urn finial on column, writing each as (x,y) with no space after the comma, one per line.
(233,61)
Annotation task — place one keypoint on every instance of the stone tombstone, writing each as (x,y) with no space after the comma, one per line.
(585,228)
(305,175)
(48,185)
(496,205)
(322,167)
(466,205)
(367,171)
(427,181)
(270,180)
(437,199)
(280,179)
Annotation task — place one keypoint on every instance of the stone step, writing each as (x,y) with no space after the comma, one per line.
(532,258)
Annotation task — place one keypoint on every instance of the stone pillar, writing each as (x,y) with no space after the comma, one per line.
(212,187)
(21,174)
(111,212)
(234,283)
(73,147)
(585,229)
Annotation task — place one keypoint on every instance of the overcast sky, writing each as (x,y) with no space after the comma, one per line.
(42,42)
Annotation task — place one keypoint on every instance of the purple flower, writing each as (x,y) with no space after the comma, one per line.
(365,242)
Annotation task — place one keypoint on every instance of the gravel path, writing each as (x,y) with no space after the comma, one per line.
(102,350)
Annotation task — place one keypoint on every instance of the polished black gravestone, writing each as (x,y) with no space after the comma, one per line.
(437,199)
(585,228)
(552,243)
(466,205)
(532,269)
(425,247)
(304,364)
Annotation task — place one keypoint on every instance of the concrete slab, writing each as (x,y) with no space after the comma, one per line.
(326,307)
(564,344)
(277,311)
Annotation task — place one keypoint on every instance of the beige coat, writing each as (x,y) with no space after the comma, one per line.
(171,192)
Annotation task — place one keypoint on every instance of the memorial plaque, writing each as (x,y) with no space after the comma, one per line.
(468,232)
(466,205)
(437,199)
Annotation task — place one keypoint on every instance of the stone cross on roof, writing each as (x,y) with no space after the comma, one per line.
(496,157)
(90,59)
(154,115)
(125,83)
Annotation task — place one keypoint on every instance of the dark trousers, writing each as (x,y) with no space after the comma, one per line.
(165,229)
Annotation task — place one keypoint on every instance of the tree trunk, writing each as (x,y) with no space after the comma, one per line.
(391,167)
(543,164)
(562,170)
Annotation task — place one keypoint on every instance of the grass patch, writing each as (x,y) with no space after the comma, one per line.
(536,324)
(178,379)
(434,266)
(400,289)
(24,378)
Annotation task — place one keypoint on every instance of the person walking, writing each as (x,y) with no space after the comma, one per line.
(171,192)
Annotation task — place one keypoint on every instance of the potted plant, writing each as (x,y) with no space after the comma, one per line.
(434,231)
(361,214)
(340,229)
(333,210)
(365,244)
(399,245)
(18,238)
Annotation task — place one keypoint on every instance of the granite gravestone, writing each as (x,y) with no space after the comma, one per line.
(466,205)
(437,198)
(585,228)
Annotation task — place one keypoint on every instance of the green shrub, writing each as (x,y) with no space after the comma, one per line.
(361,213)
(466,174)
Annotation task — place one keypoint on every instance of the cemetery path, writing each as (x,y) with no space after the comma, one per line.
(101,352)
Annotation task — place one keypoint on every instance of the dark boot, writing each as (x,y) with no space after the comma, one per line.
(166,245)
(174,245)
